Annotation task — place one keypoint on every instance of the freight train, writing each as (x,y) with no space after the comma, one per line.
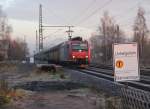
(75,51)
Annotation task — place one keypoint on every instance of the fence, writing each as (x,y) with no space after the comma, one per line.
(131,98)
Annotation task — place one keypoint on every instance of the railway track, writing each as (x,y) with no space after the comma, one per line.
(143,84)
(132,93)
(144,71)
(144,74)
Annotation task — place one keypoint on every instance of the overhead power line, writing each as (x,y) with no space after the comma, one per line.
(52,33)
(94,12)
(128,10)
(85,10)
(52,12)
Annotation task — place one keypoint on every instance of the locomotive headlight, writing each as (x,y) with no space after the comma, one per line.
(73,56)
(86,56)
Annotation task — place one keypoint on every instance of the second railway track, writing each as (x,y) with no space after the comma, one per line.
(143,84)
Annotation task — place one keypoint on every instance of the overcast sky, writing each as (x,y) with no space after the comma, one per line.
(84,14)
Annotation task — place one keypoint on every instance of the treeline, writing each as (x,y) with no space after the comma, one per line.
(110,32)
(10,49)
(17,50)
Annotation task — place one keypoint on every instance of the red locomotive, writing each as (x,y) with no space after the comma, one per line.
(74,51)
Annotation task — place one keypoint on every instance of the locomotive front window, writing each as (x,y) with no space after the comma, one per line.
(79,46)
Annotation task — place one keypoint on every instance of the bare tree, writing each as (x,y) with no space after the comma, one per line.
(10,49)
(140,31)
(111,33)
(96,48)
(18,50)
(5,31)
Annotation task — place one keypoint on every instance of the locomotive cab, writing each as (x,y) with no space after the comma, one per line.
(80,51)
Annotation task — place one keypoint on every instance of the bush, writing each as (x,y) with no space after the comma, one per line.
(4,92)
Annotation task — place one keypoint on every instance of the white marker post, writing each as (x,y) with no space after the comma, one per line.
(126,62)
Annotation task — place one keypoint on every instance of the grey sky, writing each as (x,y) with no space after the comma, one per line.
(26,9)
(84,14)
(73,11)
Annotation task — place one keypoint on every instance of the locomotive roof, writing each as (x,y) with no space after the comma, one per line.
(75,39)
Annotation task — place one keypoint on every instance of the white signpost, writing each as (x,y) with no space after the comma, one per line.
(126,62)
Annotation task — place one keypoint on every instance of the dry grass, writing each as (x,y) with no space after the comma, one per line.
(7,94)
(5,67)
(4,92)
(59,73)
